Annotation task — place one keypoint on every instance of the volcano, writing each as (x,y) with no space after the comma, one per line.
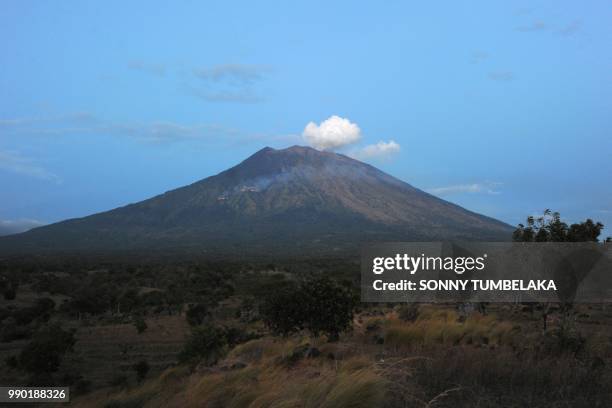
(294,200)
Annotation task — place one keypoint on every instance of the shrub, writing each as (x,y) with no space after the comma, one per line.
(196,314)
(284,310)
(10,293)
(142,369)
(11,361)
(119,380)
(235,336)
(140,324)
(206,343)
(318,304)
(44,353)
(564,340)
(10,330)
(409,313)
(81,386)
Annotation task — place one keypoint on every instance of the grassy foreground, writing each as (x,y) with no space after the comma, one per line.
(436,359)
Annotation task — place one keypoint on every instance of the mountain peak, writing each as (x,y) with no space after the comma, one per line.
(297,198)
(301,149)
(268,161)
(295,149)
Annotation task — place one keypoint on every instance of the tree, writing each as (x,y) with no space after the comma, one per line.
(196,314)
(128,300)
(142,369)
(43,355)
(318,304)
(329,307)
(8,287)
(587,231)
(206,343)
(140,324)
(550,228)
(284,310)
(10,293)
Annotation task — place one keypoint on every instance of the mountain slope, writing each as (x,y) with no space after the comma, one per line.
(295,199)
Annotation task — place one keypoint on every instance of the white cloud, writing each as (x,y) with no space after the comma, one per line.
(16,163)
(485,187)
(380,150)
(331,134)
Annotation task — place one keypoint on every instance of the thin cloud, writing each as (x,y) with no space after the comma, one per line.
(571,29)
(149,68)
(238,74)
(523,11)
(502,76)
(89,124)
(8,227)
(378,151)
(478,56)
(235,96)
(533,27)
(485,188)
(167,132)
(74,117)
(14,162)
(229,83)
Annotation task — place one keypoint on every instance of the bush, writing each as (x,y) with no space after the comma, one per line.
(81,386)
(11,361)
(10,293)
(142,369)
(318,304)
(196,314)
(41,310)
(409,313)
(119,380)
(284,311)
(44,353)
(140,324)
(206,343)
(564,340)
(329,307)
(235,336)
(10,331)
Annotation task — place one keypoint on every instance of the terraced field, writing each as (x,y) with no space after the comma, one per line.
(103,352)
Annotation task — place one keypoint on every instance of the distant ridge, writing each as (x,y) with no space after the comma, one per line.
(294,200)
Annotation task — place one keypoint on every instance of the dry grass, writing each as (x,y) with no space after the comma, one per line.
(268,381)
(443,327)
(436,361)
(265,382)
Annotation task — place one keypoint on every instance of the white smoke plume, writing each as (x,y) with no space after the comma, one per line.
(332,133)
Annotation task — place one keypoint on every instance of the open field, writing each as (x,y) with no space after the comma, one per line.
(392,355)
(434,361)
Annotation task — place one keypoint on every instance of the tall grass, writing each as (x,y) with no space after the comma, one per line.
(433,328)
(438,360)
(268,383)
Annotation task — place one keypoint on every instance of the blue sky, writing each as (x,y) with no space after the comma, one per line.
(501,107)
